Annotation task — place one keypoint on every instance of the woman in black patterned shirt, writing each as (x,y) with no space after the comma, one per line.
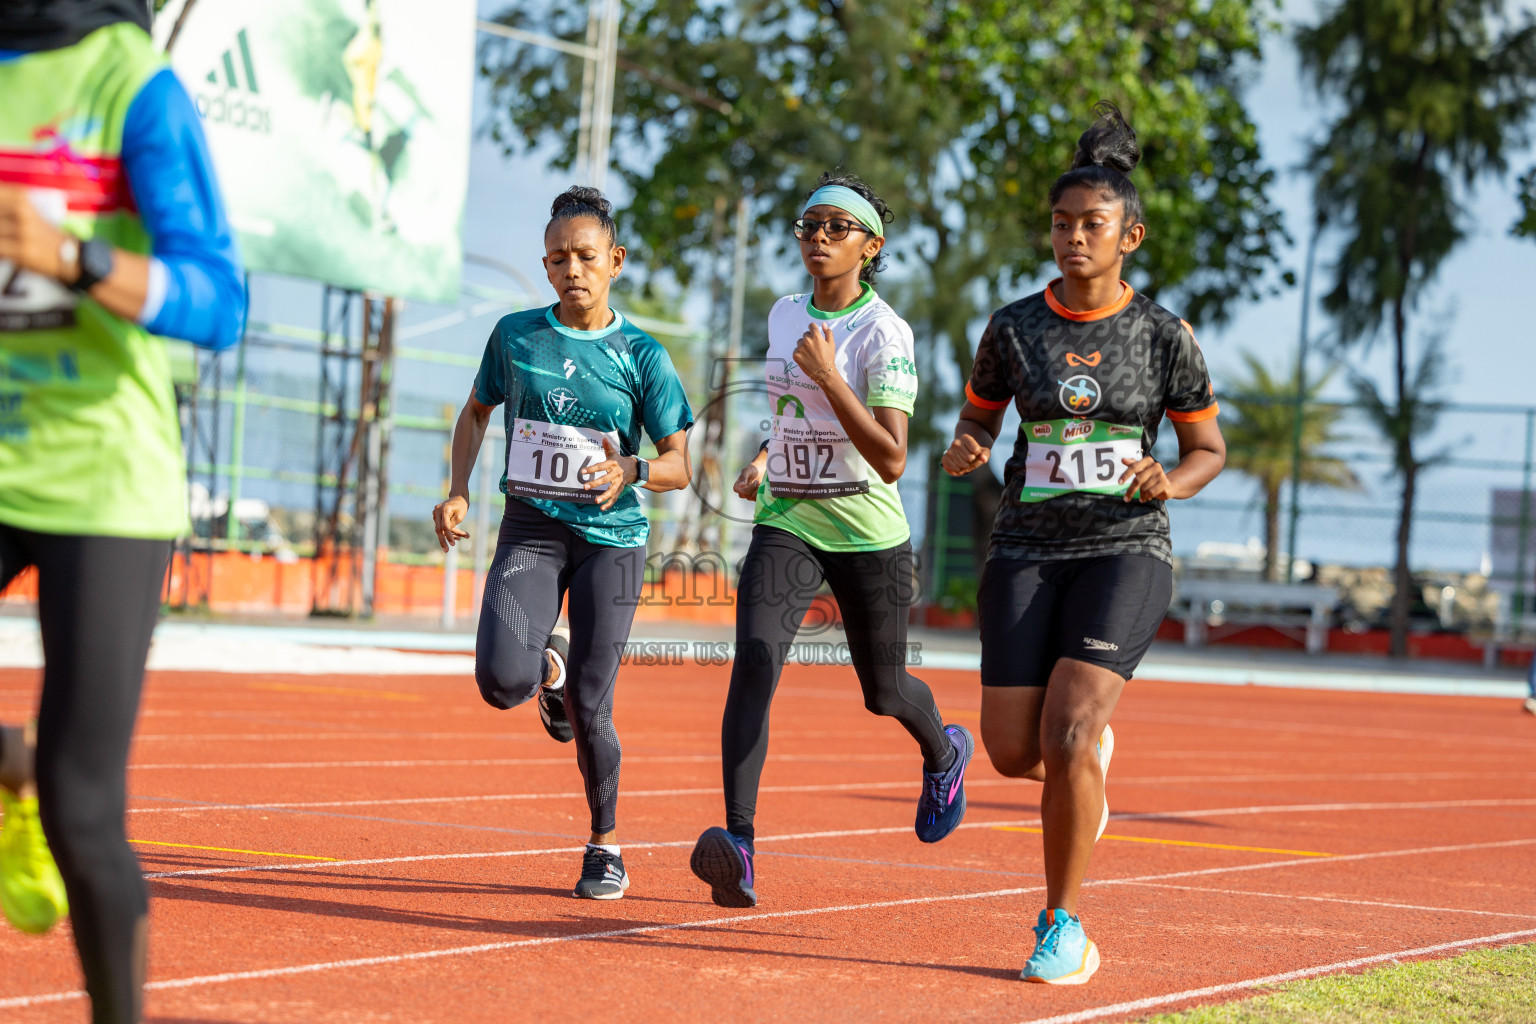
(1079,574)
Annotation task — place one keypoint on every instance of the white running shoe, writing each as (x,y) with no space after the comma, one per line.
(1106,751)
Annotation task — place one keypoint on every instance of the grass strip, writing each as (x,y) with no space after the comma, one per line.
(1486,986)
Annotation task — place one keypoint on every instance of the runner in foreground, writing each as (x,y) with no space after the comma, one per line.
(1079,573)
(578,382)
(112,231)
(842,382)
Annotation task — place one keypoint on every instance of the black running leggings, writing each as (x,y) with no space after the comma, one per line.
(538,562)
(98,599)
(779,578)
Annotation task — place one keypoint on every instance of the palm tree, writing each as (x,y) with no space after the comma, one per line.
(1261,435)
(1427,97)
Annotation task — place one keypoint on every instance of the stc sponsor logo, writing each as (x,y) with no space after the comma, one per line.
(236,106)
(1077,431)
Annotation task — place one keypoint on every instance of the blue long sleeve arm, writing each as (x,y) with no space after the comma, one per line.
(197,286)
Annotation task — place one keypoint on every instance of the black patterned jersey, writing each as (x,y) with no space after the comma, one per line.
(1091,389)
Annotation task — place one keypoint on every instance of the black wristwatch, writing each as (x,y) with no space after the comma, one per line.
(642,471)
(96,262)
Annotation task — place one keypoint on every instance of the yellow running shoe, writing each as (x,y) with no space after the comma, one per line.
(31,891)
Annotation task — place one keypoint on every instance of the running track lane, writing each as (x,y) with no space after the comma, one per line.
(453,830)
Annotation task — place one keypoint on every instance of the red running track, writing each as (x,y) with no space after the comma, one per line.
(454,830)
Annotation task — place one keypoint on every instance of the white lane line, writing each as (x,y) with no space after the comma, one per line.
(1322,729)
(795,836)
(516,762)
(275,972)
(824,788)
(247,868)
(828,787)
(1151,1002)
(1334,899)
(488,947)
(1418,805)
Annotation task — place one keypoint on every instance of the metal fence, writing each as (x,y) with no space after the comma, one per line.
(1474,521)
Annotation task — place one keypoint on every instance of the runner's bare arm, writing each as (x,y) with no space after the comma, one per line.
(29,241)
(1202,454)
(468,434)
(975,432)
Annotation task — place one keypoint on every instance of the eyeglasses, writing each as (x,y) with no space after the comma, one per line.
(836,229)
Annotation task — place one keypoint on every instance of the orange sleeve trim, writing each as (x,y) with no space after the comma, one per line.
(1198,416)
(982,403)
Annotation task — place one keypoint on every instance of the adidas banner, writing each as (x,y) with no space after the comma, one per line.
(340,129)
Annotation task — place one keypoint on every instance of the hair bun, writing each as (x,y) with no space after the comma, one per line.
(581,195)
(1109,142)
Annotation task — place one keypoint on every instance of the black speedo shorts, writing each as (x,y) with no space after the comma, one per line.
(1104,611)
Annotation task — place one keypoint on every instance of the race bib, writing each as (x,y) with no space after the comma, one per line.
(550,460)
(33,302)
(814,459)
(1077,455)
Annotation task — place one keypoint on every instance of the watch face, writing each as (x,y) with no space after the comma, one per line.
(95,260)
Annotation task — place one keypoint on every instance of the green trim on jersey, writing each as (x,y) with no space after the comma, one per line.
(874,354)
(866,296)
(90,443)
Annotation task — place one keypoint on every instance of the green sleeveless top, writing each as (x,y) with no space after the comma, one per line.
(89,437)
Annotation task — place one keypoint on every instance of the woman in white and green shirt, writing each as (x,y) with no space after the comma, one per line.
(841,383)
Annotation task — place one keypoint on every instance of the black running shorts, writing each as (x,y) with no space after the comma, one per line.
(1104,611)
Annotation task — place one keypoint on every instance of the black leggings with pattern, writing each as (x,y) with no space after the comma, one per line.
(538,562)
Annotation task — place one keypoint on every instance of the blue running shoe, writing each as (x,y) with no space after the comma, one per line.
(941,807)
(1064,955)
(725,862)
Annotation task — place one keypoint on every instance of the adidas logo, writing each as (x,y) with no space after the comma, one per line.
(227,59)
(229,97)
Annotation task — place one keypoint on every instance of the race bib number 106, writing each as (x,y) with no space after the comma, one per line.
(1077,455)
(550,460)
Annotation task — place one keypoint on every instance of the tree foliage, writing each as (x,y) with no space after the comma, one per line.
(1525,227)
(1431,95)
(960,112)
(1259,427)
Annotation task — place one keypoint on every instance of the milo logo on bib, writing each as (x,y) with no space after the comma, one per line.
(1073,455)
(812,458)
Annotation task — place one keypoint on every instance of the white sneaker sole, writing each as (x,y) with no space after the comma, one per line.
(1106,752)
(1077,977)
(623,886)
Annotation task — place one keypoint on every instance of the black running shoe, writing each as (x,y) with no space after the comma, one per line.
(552,702)
(602,875)
(725,862)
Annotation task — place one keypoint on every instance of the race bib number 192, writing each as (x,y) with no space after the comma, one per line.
(814,459)
(550,460)
(1077,455)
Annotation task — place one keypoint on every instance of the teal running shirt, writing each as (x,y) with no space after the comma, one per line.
(564,391)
